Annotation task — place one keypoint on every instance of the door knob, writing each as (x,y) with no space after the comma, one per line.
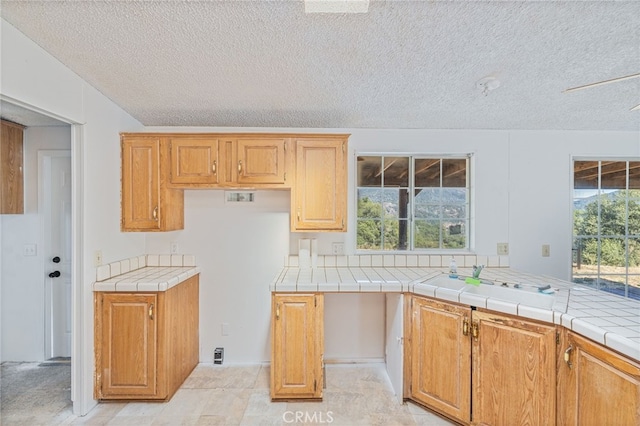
(54,274)
(56,259)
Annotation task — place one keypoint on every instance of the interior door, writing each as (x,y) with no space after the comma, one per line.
(57,244)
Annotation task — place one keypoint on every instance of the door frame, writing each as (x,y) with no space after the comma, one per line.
(44,203)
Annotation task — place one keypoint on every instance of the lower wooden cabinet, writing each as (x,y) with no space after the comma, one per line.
(480,367)
(596,386)
(146,344)
(513,371)
(297,346)
(440,356)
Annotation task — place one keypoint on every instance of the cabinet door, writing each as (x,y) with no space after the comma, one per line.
(148,204)
(194,160)
(319,195)
(11,177)
(297,346)
(261,161)
(513,371)
(441,357)
(596,386)
(141,183)
(126,341)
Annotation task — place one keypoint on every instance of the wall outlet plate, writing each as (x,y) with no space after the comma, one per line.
(97,258)
(337,248)
(503,249)
(546,250)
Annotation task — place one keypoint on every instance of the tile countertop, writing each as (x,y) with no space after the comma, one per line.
(608,319)
(145,273)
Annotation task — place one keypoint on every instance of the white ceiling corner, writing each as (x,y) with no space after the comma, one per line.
(402,64)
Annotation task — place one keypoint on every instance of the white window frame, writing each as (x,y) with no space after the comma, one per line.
(469,237)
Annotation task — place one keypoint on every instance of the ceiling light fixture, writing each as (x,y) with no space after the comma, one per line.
(487,84)
(603,82)
(336,6)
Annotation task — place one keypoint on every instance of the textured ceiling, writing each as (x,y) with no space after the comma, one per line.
(404,64)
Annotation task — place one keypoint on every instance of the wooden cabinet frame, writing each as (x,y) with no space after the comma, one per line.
(297,346)
(146,344)
(596,386)
(11,171)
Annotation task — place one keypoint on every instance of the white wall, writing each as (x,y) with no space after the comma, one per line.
(521,195)
(23,276)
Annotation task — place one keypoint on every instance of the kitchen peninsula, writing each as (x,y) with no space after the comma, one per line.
(449,332)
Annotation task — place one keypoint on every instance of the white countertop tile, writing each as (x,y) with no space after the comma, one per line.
(584,310)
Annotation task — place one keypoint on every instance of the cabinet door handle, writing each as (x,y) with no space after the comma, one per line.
(278,311)
(465,326)
(213,168)
(151,311)
(239,166)
(567,356)
(474,331)
(155,213)
(298,215)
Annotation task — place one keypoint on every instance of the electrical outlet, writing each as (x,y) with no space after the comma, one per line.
(337,248)
(30,250)
(97,258)
(546,250)
(225,329)
(174,247)
(503,249)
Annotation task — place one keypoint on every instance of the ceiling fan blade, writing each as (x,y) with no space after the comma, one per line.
(635,108)
(600,83)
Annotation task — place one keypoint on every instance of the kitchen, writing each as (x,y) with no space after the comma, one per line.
(255,240)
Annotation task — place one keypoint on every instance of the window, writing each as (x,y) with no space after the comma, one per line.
(606,226)
(412,202)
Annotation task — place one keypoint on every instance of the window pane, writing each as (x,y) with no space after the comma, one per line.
(457,211)
(613,284)
(370,203)
(612,214)
(454,235)
(454,195)
(395,234)
(369,234)
(634,175)
(585,175)
(586,255)
(454,173)
(396,202)
(634,255)
(612,255)
(396,171)
(613,175)
(427,172)
(426,234)
(369,171)
(634,217)
(427,203)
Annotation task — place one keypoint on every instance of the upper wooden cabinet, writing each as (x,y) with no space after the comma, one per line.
(148,204)
(157,167)
(256,161)
(596,386)
(194,160)
(319,198)
(11,159)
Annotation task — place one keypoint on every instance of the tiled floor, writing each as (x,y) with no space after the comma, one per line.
(221,395)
